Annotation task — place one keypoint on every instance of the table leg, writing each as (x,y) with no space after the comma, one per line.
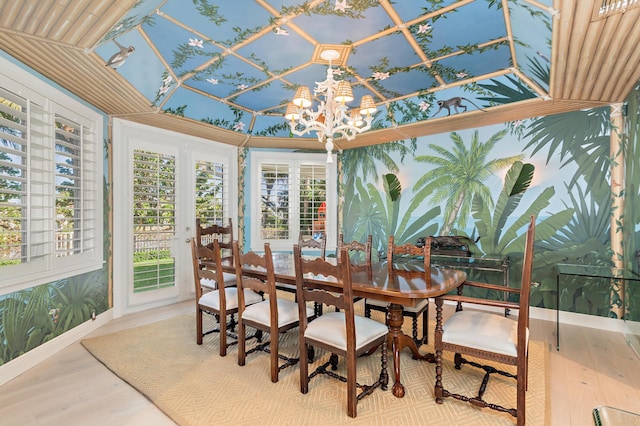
(398,341)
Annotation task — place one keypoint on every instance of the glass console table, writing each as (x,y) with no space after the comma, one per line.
(479,263)
(631,328)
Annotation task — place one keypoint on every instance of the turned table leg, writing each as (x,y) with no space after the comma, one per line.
(398,341)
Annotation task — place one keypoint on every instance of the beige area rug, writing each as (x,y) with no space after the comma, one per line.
(195,386)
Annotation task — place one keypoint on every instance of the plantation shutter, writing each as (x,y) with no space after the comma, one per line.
(154,220)
(212,193)
(76,183)
(26,210)
(51,183)
(312,190)
(293,194)
(275,185)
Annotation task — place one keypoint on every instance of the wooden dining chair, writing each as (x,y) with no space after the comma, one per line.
(318,246)
(360,252)
(395,254)
(205,235)
(488,335)
(221,301)
(273,315)
(341,333)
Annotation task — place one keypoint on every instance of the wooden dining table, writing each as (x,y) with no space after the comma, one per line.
(408,285)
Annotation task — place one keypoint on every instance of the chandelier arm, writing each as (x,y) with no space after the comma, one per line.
(311,124)
(332,116)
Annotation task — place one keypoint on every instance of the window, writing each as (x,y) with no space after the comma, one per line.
(312,190)
(212,193)
(154,220)
(50,184)
(275,183)
(296,195)
(75,225)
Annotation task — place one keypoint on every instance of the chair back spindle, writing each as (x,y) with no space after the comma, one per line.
(396,253)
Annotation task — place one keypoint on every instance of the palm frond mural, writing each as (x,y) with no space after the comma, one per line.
(358,219)
(578,136)
(631,212)
(459,176)
(501,233)
(380,215)
(27,322)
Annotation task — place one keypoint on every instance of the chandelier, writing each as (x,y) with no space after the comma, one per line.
(332,116)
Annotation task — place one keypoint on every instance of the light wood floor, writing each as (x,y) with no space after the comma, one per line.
(593,368)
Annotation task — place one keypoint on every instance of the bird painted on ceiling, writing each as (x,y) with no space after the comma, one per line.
(120,57)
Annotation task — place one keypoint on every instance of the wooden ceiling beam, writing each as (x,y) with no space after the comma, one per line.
(623,70)
(609,46)
(593,39)
(576,49)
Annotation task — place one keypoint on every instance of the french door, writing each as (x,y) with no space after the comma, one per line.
(162,182)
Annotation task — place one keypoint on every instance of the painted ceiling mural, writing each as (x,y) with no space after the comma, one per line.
(236,64)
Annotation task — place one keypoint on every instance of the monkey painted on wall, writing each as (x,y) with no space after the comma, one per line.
(455,103)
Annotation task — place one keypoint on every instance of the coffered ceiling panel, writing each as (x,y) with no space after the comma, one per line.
(227,69)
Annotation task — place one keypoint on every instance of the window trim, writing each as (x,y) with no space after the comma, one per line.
(294,159)
(54,101)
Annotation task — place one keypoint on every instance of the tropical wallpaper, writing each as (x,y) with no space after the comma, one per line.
(485,184)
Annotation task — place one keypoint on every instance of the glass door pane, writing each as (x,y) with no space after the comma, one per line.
(154,220)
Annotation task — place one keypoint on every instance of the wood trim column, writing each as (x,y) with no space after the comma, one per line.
(616,154)
(109,218)
(242,172)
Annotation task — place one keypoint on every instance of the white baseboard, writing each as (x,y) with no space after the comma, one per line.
(17,366)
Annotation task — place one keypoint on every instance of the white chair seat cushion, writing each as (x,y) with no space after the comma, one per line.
(229,279)
(212,298)
(331,329)
(261,312)
(418,308)
(482,330)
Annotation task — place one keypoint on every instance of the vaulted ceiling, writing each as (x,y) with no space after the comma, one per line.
(225,70)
